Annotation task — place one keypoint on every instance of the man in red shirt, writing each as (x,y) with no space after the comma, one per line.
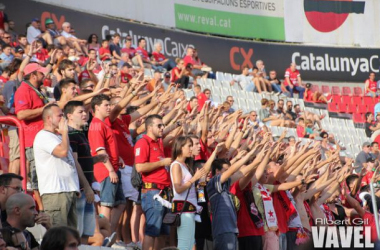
(370,88)
(140,50)
(161,60)
(29,104)
(202,98)
(119,121)
(151,163)
(293,81)
(189,60)
(103,141)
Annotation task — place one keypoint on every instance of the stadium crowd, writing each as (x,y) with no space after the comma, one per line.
(117,156)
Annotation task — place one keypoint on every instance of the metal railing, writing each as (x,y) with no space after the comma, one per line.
(13,121)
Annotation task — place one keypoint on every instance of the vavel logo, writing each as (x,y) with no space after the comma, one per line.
(344,237)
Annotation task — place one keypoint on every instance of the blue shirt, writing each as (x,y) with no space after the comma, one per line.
(377,109)
(224,219)
(4,57)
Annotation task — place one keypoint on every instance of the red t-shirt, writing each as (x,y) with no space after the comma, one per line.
(42,55)
(371,86)
(159,57)
(369,221)
(301,131)
(377,139)
(293,76)
(149,150)
(174,76)
(83,60)
(189,59)
(27,98)
(204,154)
(244,222)
(130,51)
(103,51)
(120,128)
(367,178)
(101,136)
(202,98)
(309,97)
(125,77)
(282,221)
(144,54)
(3,79)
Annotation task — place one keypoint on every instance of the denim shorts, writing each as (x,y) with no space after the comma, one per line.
(111,194)
(154,214)
(86,216)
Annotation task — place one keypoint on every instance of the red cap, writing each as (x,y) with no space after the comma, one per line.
(31,67)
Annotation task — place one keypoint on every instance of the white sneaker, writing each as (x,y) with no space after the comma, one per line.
(119,245)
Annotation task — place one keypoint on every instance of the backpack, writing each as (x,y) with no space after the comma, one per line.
(136,179)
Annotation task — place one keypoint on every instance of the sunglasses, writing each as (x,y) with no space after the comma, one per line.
(19,189)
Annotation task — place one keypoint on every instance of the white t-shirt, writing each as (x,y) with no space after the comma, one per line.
(67,35)
(186,176)
(32,34)
(55,175)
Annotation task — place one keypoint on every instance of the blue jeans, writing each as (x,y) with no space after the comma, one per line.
(276,88)
(227,241)
(111,194)
(300,90)
(169,65)
(154,214)
(86,216)
(186,232)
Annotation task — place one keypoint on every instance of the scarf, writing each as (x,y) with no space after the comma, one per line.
(308,211)
(252,209)
(38,92)
(270,214)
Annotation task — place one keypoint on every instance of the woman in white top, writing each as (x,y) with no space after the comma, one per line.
(183,179)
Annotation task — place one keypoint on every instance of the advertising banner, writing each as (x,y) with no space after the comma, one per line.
(238,18)
(333,22)
(227,55)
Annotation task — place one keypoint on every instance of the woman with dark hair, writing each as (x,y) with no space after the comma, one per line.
(93,42)
(60,238)
(183,179)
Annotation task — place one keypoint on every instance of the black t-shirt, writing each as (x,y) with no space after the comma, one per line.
(115,47)
(79,144)
(292,114)
(3,217)
(272,79)
(368,131)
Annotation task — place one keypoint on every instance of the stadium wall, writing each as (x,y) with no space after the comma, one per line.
(222,54)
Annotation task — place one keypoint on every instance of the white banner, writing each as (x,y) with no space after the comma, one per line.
(333,22)
(269,8)
(160,12)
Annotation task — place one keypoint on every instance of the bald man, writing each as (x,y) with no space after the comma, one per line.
(293,81)
(56,168)
(22,213)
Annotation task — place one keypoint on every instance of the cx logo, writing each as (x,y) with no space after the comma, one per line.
(241,56)
(58,23)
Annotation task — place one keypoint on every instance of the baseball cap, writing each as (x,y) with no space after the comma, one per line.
(366,144)
(35,20)
(18,49)
(49,21)
(167,74)
(32,67)
(371,158)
